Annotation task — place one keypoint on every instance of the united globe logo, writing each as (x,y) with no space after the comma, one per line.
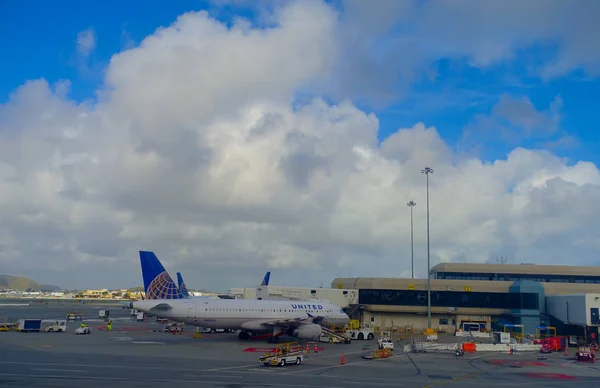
(162,287)
(183,288)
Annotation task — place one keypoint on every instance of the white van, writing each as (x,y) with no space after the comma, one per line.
(55,326)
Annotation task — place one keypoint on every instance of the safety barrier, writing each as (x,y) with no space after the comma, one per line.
(492,347)
(469,347)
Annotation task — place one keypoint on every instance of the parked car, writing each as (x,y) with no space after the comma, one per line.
(83,330)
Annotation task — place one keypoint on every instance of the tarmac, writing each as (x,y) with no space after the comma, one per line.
(132,355)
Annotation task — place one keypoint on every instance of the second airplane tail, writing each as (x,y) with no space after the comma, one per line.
(265,281)
(182,287)
(158,284)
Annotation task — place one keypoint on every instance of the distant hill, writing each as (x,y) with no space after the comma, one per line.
(23,284)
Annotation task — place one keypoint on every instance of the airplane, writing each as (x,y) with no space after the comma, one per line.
(300,319)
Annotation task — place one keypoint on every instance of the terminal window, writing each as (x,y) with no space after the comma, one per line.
(515,277)
(497,300)
(448,321)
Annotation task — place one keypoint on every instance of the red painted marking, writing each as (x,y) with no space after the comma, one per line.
(559,376)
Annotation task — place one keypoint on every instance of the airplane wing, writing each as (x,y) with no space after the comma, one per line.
(161,307)
(287,322)
(284,322)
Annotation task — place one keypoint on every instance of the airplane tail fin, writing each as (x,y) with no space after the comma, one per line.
(182,287)
(158,284)
(265,281)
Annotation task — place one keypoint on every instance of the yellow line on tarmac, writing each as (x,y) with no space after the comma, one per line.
(453,380)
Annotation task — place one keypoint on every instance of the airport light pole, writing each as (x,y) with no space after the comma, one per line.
(427,171)
(412,204)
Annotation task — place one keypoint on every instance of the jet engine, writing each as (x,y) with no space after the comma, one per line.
(307,331)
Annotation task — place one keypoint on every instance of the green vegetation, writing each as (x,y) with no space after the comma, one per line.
(23,284)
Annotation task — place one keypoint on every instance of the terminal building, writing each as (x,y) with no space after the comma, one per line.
(490,295)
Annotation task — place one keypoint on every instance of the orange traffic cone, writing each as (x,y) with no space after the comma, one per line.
(566,352)
(180,332)
(316,349)
(173,332)
(511,351)
(306,351)
(342,361)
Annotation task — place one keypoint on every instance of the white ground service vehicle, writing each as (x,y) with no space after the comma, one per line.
(432,337)
(285,354)
(386,343)
(140,316)
(173,327)
(361,333)
(103,313)
(324,337)
(55,326)
(83,330)
(207,330)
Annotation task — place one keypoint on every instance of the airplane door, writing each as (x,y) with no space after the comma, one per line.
(191,310)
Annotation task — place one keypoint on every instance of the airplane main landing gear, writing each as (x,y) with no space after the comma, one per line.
(244,335)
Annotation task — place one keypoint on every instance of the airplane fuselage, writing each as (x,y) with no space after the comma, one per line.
(241,313)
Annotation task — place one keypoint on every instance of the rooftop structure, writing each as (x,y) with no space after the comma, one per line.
(516,272)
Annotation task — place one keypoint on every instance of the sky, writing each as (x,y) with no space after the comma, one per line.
(232,137)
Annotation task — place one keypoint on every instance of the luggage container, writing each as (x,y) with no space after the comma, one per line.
(30,325)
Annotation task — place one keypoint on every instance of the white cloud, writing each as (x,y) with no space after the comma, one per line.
(387,45)
(196,150)
(86,42)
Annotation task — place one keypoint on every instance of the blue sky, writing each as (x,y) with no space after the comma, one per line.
(490,76)
(42,44)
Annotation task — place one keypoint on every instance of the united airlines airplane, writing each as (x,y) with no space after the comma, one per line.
(300,319)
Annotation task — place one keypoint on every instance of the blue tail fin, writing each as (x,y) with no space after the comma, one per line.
(265,281)
(157,281)
(182,287)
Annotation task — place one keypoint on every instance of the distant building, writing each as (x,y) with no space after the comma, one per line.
(95,293)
